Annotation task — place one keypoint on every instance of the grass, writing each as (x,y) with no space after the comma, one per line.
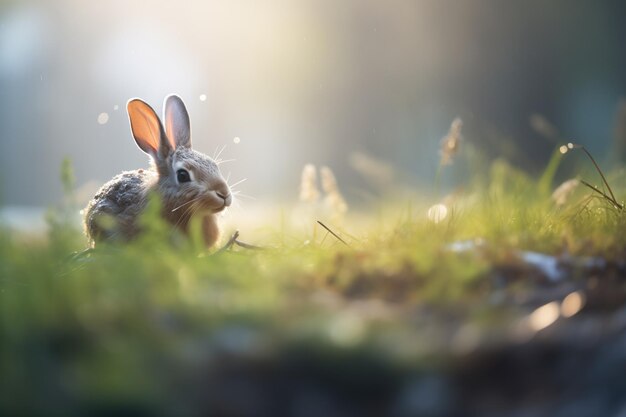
(164,328)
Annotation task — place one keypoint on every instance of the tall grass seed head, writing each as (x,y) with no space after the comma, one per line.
(542,126)
(334,200)
(451,143)
(309,193)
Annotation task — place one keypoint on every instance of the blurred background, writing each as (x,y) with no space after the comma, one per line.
(285,83)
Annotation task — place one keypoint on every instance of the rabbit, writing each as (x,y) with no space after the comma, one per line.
(188,182)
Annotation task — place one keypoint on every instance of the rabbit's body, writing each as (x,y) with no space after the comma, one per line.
(188,182)
(122,200)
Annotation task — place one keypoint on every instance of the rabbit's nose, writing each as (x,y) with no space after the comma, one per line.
(226,196)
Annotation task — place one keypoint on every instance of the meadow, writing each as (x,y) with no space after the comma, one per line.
(505,297)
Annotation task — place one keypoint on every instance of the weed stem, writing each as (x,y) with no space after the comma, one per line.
(613,199)
(603,194)
(333,233)
(230,242)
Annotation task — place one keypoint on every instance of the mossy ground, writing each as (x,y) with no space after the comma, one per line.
(395,322)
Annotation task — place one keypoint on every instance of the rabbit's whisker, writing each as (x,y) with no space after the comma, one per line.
(237,183)
(187,214)
(223,161)
(220,152)
(188,202)
(240,194)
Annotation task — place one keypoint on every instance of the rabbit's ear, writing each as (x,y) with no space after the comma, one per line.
(147,129)
(176,121)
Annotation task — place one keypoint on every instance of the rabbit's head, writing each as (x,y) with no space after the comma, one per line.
(188,180)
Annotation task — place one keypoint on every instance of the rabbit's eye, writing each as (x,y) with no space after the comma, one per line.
(182,176)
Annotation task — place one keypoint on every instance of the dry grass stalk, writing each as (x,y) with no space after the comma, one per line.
(234,240)
(230,242)
(608,197)
(543,126)
(333,233)
(333,199)
(309,193)
(451,143)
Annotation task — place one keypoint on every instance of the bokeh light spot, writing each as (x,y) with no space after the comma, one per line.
(544,316)
(572,304)
(103,118)
(437,213)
